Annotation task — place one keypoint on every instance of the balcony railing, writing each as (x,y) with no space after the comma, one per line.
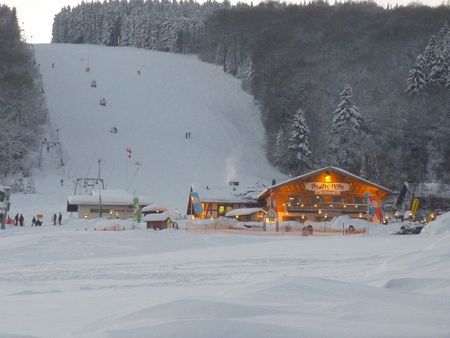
(344,208)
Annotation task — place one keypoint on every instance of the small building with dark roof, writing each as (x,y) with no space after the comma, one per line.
(216,201)
(108,203)
(158,220)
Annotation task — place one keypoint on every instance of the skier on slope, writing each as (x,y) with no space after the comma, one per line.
(54,219)
(59,218)
(21,220)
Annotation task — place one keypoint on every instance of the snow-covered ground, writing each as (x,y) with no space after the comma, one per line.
(71,282)
(74,281)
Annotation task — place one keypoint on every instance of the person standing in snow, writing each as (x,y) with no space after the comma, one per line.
(16,219)
(33,221)
(59,218)
(62,182)
(53,65)
(54,219)
(21,220)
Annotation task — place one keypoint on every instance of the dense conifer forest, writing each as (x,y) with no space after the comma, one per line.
(22,107)
(356,85)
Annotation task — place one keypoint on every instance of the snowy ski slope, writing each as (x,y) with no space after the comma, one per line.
(153,99)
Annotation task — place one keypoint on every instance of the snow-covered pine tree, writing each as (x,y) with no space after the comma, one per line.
(430,55)
(280,149)
(30,187)
(440,62)
(298,144)
(416,79)
(433,65)
(442,73)
(345,132)
(363,167)
(373,169)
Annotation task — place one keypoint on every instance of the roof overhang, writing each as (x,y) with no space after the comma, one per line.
(343,172)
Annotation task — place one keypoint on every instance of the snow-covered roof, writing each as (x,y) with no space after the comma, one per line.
(161,216)
(228,194)
(318,171)
(243,212)
(153,208)
(108,197)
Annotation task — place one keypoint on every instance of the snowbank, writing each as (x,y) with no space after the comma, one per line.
(440,225)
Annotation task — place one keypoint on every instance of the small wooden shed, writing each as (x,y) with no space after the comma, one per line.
(158,221)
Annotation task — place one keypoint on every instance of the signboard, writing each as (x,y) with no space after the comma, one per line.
(321,188)
(196,204)
(271,216)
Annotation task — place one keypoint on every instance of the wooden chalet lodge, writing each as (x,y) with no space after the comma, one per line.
(323,194)
(315,196)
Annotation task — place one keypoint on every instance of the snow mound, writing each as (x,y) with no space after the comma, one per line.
(425,270)
(439,226)
(218,328)
(198,309)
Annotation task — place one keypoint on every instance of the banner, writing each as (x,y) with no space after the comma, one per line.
(137,210)
(415,206)
(195,203)
(373,208)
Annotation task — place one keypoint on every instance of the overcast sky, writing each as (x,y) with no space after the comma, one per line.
(36,16)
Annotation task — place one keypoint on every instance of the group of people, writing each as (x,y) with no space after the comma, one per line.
(20,220)
(55,218)
(36,222)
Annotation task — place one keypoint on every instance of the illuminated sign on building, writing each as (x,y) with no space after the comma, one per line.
(321,188)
